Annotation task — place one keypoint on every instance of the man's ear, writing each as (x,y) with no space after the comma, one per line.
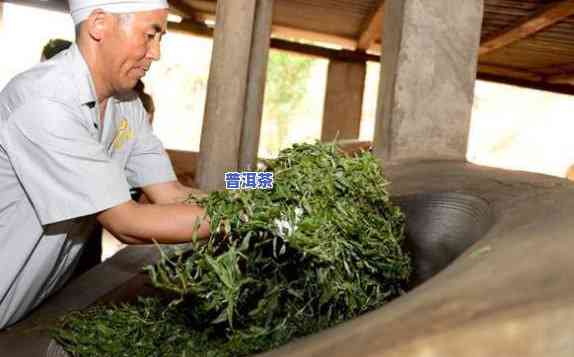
(96,24)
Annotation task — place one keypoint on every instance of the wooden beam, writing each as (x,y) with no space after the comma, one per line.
(226,93)
(560,83)
(566,78)
(290,33)
(558,74)
(509,72)
(562,68)
(282,45)
(546,17)
(372,29)
(322,52)
(203,6)
(525,79)
(191,27)
(549,87)
(183,8)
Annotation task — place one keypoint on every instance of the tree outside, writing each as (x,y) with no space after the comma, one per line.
(287,86)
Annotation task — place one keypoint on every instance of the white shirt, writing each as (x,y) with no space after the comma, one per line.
(58,168)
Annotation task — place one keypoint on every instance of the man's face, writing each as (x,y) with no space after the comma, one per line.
(133,43)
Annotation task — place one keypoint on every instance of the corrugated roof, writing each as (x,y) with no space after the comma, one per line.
(335,17)
(548,50)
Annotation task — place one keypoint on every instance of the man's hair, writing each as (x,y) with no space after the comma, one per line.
(53,47)
(145,98)
(124,19)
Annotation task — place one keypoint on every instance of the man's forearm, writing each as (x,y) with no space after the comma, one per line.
(165,223)
(170,192)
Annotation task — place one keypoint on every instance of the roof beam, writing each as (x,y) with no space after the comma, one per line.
(558,74)
(191,27)
(509,72)
(556,88)
(546,17)
(372,29)
(556,69)
(290,33)
(182,7)
(203,5)
(322,52)
(566,78)
(559,83)
(294,33)
(199,29)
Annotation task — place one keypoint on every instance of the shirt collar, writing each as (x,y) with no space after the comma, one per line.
(83,77)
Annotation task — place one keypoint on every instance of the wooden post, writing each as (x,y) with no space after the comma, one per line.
(344,100)
(226,92)
(427,79)
(256,85)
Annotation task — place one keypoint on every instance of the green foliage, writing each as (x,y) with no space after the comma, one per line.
(287,80)
(147,329)
(54,46)
(323,246)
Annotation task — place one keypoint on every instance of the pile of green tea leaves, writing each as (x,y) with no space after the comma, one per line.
(323,246)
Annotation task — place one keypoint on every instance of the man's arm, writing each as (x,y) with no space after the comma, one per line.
(167,220)
(170,192)
(135,223)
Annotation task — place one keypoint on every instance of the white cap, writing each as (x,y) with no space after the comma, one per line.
(81,9)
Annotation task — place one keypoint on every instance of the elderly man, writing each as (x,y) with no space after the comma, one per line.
(73,140)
